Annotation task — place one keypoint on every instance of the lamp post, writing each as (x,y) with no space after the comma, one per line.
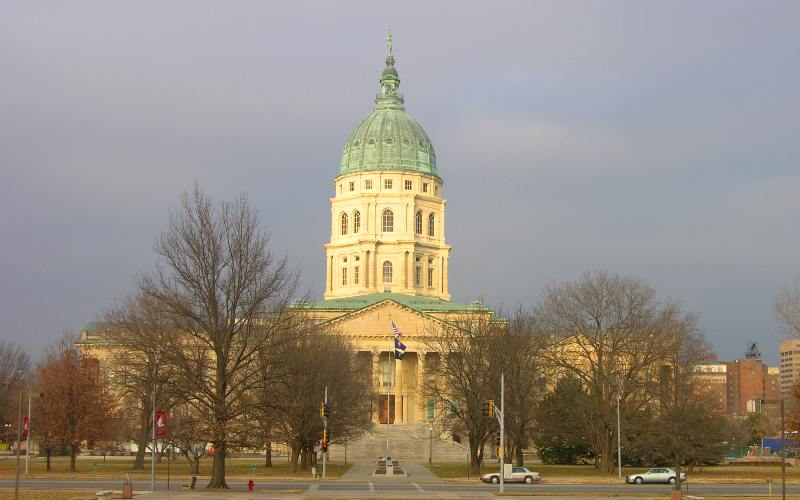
(19,441)
(619,442)
(430,446)
(783,443)
(30,429)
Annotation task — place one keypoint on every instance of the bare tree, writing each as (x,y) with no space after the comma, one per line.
(15,370)
(77,407)
(225,293)
(138,369)
(519,349)
(464,375)
(787,307)
(291,400)
(611,333)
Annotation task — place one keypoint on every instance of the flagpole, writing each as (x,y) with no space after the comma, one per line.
(389,393)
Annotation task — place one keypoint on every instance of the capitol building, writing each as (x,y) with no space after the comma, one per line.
(387,262)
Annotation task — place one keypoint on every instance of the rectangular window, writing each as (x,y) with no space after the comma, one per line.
(424,187)
(436,190)
(417,275)
(408,185)
(352,186)
(430,276)
(368,184)
(355,275)
(344,276)
(387,184)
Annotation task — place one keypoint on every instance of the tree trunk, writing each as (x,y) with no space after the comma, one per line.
(138,462)
(218,469)
(475,454)
(518,456)
(48,453)
(303,458)
(72,459)
(268,455)
(294,456)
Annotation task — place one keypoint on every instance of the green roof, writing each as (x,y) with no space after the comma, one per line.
(389,138)
(415,302)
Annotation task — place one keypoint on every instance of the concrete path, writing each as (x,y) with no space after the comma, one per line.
(358,472)
(418,472)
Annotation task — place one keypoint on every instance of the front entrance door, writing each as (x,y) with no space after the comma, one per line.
(382,409)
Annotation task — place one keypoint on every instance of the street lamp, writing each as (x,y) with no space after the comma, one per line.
(430,448)
(783,444)
(28,440)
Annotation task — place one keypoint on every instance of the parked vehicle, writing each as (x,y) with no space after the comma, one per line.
(655,475)
(518,475)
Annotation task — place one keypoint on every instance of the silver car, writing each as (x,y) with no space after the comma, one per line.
(518,475)
(655,475)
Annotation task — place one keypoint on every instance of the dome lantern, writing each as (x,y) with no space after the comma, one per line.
(389,138)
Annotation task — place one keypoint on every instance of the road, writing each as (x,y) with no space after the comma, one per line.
(406,488)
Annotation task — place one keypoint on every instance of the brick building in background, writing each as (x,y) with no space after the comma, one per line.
(738,387)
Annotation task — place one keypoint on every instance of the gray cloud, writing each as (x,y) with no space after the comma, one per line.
(658,140)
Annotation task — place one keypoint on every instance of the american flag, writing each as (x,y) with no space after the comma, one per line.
(396,331)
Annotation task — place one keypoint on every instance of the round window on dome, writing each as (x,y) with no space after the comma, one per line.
(389,140)
(406,142)
(371,141)
(355,144)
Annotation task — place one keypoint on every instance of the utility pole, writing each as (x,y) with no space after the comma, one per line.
(619,445)
(153,424)
(28,437)
(501,419)
(19,442)
(783,454)
(325,435)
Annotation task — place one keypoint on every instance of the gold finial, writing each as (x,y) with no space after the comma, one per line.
(389,41)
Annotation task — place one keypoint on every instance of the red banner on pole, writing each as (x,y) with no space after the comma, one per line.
(161,423)
(26,427)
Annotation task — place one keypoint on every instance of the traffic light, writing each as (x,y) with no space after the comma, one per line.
(326,410)
(485,409)
(325,440)
(491,408)
(322,410)
(497,439)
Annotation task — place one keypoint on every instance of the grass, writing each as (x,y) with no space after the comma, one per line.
(120,467)
(583,473)
(51,494)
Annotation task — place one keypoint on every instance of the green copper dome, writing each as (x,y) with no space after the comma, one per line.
(389,138)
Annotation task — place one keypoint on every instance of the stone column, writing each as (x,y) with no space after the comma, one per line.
(330,274)
(376,378)
(421,399)
(399,414)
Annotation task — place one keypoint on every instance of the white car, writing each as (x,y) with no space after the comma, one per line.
(518,475)
(655,475)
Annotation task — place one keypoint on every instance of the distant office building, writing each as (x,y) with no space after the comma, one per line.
(711,379)
(790,367)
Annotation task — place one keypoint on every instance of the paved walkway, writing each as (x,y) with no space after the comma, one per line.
(416,472)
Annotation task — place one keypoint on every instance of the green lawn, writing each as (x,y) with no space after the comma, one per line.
(119,467)
(567,472)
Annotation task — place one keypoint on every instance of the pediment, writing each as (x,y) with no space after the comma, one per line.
(375,321)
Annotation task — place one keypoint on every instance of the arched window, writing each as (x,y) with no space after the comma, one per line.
(430,225)
(418,223)
(388,221)
(344,223)
(356,221)
(387,272)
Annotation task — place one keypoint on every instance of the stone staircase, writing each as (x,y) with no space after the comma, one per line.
(409,442)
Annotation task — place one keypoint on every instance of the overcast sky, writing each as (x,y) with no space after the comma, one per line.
(652,139)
